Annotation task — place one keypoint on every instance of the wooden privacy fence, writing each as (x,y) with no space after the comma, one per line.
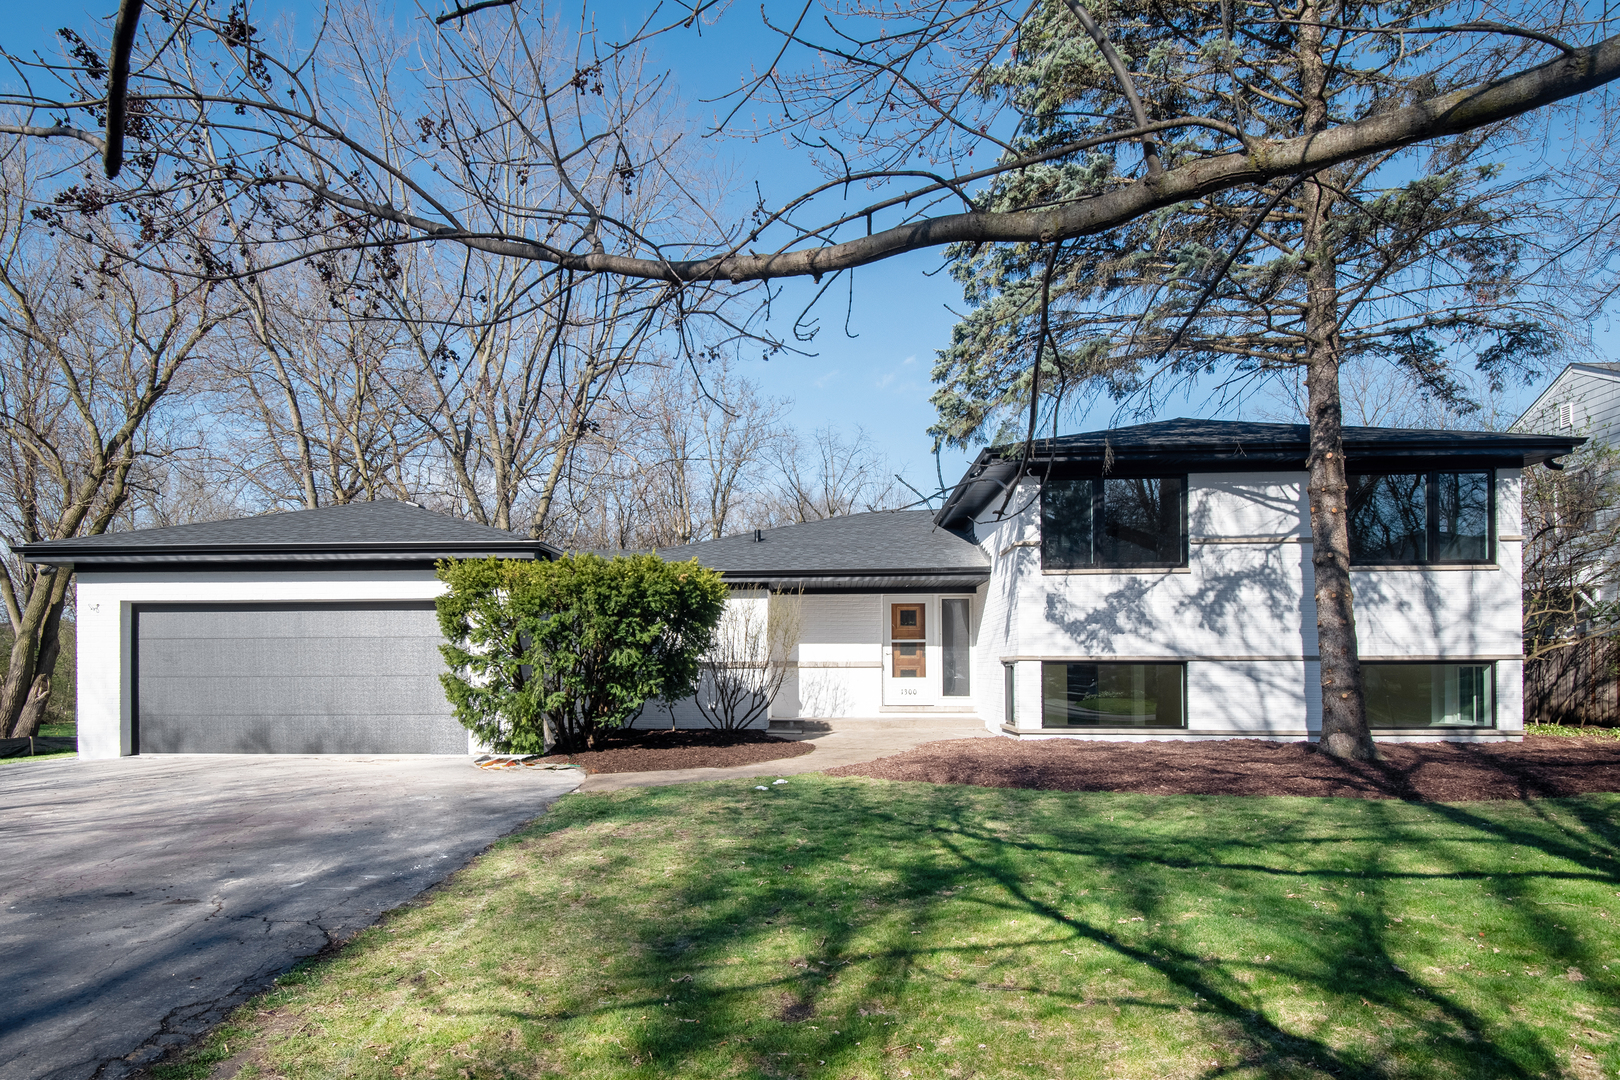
(1577,685)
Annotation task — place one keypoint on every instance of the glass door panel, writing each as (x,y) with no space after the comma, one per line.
(953,641)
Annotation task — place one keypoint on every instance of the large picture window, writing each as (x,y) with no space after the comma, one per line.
(1415,519)
(1430,695)
(1113,695)
(1113,521)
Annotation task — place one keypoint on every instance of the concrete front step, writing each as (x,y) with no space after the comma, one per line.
(935,722)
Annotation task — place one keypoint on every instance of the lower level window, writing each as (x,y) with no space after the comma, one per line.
(1113,695)
(1430,695)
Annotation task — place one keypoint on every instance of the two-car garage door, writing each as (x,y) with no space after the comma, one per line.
(343,678)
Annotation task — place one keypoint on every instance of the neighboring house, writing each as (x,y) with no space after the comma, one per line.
(1583,400)
(1577,683)
(310,632)
(1141,583)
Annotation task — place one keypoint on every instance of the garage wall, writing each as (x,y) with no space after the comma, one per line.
(105,625)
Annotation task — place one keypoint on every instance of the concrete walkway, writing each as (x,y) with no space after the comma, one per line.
(142,899)
(846,742)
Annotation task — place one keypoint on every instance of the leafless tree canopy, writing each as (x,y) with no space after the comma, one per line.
(92,351)
(507,133)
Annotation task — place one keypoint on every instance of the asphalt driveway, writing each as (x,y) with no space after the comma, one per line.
(142,899)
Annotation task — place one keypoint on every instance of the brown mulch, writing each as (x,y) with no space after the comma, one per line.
(1540,767)
(657,749)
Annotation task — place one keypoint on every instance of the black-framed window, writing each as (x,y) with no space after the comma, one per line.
(1416,519)
(1113,695)
(1113,521)
(1424,695)
(1009,700)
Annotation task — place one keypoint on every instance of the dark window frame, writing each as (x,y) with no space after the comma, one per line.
(1490,667)
(1009,690)
(1431,533)
(1186,707)
(1098,487)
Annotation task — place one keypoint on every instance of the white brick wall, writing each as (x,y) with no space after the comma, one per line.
(1241,613)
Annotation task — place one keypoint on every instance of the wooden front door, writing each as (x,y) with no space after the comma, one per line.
(908,636)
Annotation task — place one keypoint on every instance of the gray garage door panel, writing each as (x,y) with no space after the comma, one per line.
(292,679)
(186,658)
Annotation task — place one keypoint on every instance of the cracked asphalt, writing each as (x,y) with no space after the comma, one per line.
(143,899)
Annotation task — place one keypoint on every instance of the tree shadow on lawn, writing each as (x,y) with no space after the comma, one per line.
(1305,906)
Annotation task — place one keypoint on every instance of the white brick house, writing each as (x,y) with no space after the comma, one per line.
(1141,583)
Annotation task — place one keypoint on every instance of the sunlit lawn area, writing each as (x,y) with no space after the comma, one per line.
(1572,731)
(855,928)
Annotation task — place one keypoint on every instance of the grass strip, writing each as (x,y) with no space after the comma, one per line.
(1572,731)
(855,928)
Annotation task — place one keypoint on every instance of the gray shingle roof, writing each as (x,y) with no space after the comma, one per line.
(1236,437)
(383,530)
(1221,445)
(899,549)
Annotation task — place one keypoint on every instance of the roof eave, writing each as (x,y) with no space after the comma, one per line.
(57,552)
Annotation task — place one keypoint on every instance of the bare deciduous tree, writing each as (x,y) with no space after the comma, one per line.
(91,348)
(680,456)
(908,87)
(750,658)
(831,474)
(1571,522)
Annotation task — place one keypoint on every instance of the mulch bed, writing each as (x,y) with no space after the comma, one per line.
(657,749)
(1540,767)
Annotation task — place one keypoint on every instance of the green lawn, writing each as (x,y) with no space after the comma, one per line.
(855,928)
(1572,731)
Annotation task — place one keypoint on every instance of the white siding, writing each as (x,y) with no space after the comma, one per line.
(838,664)
(1242,614)
(840,658)
(1253,697)
(1229,505)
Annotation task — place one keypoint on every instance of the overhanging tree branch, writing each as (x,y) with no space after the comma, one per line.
(1123,75)
(1445,115)
(129,16)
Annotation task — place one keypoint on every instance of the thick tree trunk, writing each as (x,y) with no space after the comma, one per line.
(38,701)
(1344,704)
(23,670)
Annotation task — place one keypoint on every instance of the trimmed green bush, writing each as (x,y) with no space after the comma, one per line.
(545,655)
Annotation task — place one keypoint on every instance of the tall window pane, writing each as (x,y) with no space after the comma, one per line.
(1066,524)
(953,639)
(1429,695)
(1463,517)
(1389,518)
(1112,695)
(1141,522)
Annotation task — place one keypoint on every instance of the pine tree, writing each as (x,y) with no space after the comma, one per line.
(1414,256)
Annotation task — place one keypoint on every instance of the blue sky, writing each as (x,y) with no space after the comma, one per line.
(877,379)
